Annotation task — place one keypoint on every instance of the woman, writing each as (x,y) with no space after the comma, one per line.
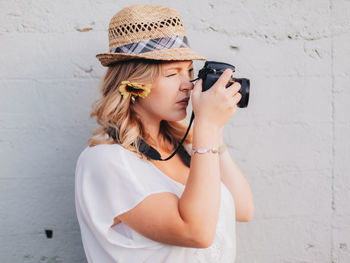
(130,207)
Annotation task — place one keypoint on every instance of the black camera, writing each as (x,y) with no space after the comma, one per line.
(212,71)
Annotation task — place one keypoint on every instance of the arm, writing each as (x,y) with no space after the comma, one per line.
(236,183)
(191,220)
(200,201)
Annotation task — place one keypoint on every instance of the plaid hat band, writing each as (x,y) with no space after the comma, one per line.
(153,44)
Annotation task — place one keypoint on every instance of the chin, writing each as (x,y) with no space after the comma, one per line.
(178,117)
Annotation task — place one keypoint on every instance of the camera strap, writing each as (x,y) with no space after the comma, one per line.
(153,154)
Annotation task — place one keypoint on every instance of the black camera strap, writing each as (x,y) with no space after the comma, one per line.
(153,154)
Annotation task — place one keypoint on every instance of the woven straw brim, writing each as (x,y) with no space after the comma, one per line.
(163,54)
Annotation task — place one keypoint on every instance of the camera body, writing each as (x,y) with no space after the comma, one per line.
(212,70)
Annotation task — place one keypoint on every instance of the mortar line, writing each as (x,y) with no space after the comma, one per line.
(333,207)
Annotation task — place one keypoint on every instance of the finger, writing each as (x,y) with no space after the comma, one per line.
(233,89)
(236,98)
(224,78)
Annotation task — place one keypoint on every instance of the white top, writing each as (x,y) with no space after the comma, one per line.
(110,180)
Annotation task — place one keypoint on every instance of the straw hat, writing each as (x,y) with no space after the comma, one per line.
(149,32)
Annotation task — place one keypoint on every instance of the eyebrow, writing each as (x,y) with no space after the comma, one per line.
(177,67)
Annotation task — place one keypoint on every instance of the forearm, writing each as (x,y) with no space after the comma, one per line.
(200,201)
(234,180)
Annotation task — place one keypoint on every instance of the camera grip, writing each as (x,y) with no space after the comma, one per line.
(210,79)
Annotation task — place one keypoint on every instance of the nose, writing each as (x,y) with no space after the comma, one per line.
(186,84)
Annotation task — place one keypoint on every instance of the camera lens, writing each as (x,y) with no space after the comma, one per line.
(244,90)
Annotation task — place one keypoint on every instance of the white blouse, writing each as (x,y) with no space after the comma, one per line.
(110,180)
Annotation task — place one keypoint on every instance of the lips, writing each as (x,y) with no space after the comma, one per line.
(184,100)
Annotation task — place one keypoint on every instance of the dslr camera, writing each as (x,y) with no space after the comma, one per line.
(212,70)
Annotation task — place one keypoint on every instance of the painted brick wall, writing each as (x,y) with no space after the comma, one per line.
(292,142)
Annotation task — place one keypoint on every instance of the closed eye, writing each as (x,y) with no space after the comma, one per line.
(171,75)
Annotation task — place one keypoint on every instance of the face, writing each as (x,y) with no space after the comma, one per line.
(171,86)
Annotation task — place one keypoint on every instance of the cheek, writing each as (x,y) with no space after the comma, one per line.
(161,102)
(166,94)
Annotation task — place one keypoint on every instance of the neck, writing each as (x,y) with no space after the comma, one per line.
(152,134)
(151,124)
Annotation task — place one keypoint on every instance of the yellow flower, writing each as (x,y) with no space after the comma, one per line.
(131,88)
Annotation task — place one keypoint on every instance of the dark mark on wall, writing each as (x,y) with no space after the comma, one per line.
(308,246)
(318,54)
(48,233)
(234,47)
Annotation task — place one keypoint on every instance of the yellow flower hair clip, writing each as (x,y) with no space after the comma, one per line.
(134,89)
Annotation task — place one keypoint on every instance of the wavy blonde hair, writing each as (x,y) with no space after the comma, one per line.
(114,112)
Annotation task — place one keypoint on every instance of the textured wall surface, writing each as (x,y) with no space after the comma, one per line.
(292,142)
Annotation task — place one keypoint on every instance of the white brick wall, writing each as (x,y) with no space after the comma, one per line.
(292,142)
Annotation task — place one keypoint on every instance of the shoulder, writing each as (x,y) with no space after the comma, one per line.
(105,154)
(101,150)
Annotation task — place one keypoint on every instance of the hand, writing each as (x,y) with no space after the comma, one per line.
(217,104)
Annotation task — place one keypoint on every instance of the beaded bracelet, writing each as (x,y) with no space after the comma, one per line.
(205,150)
(221,149)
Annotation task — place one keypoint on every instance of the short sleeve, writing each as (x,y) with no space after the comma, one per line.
(113,180)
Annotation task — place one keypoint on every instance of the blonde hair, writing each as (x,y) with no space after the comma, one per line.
(114,112)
